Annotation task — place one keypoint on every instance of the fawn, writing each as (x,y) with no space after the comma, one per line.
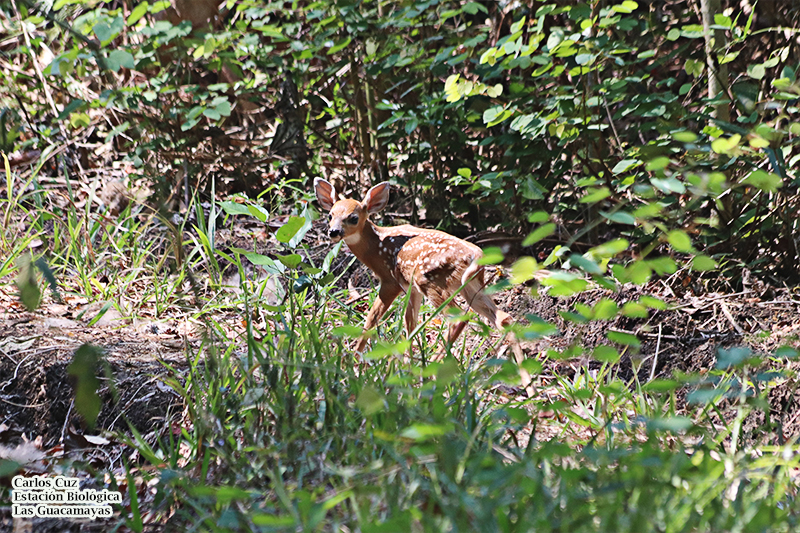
(406,258)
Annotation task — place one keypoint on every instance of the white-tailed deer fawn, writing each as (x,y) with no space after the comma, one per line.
(406,258)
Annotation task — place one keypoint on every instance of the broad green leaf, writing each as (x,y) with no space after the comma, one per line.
(348,331)
(610,248)
(291,260)
(634,310)
(339,46)
(595,195)
(621,337)
(539,233)
(652,302)
(564,284)
(756,71)
(658,163)
(639,272)
(766,181)
(422,432)
(288,230)
(679,240)
(523,270)
(491,256)
(120,59)
(232,208)
(605,354)
(137,13)
(726,145)
(605,309)
(79,120)
(620,217)
(29,293)
(370,401)
(83,368)
(674,424)
(625,165)
(585,264)
(703,263)
(628,6)
(669,185)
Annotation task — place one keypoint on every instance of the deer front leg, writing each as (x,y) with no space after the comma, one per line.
(386,295)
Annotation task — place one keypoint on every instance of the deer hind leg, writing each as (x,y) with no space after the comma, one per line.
(479,301)
(482,304)
(412,310)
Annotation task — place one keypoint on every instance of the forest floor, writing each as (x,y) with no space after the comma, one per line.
(36,348)
(39,424)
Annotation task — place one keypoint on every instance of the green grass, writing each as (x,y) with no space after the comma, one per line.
(285,429)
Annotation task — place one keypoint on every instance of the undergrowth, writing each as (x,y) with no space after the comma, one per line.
(285,429)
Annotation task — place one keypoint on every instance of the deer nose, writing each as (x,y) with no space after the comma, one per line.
(335,233)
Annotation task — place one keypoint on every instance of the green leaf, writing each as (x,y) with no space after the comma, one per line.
(473,7)
(725,145)
(539,233)
(662,385)
(137,13)
(272,521)
(370,401)
(605,354)
(658,163)
(523,270)
(423,432)
(693,68)
(610,248)
(564,283)
(585,264)
(674,424)
(735,357)
(288,230)
(340,45)
(620,217)
(605,309)
(291,260)
(625,165)
(684,136)
(103,32)
(72,106)
(491,256)
(766,181)
(756,71)
(679,240)
(83,368)
(29,293)
(624,338)
(495,115)
(351,332)
(628,6)
(703,263)
(663,265)
(120,59)
(79,120)
(232,208)
(595,195)
(652,302)
(257,211)
(634,310)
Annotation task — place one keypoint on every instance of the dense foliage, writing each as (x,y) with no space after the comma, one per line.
(620,141)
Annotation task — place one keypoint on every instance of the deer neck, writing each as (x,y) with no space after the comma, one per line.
(364,243)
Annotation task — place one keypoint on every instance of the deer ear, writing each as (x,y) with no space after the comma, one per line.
(326,194)
(376,198)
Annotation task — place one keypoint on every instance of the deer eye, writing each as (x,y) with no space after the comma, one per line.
(353,219)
